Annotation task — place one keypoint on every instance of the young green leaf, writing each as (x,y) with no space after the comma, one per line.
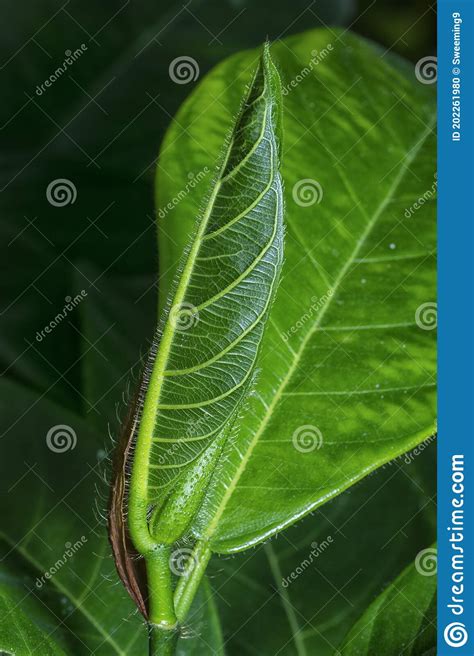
(202,367)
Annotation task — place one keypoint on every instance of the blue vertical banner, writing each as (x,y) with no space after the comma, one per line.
(456,327)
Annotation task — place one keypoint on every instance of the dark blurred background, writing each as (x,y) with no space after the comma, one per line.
(99,126)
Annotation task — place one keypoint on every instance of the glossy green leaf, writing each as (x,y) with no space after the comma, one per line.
(402,620)
(202,369)
(348,363)
(242,584)
(301,593)
(19,636)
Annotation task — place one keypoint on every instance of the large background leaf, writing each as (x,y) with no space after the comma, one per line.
(19,635)
(345,363)
(359,550)
(403,618)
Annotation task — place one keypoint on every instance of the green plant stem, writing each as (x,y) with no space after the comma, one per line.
(161,642)
(189,582)
(160,589)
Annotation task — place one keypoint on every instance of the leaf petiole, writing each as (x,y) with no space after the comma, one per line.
(189,582)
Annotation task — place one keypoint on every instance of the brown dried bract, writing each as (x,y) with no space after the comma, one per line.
(130,567)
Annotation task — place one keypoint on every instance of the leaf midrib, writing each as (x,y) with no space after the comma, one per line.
(411,154)
(140,479)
